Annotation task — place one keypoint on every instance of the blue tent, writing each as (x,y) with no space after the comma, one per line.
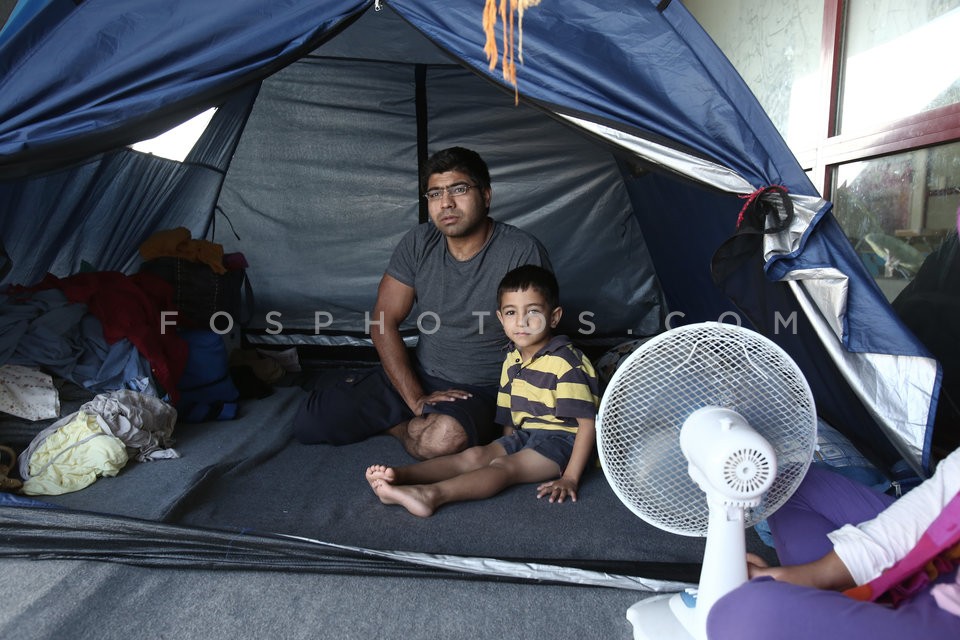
(630,153)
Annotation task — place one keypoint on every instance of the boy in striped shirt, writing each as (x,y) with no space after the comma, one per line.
(547,404)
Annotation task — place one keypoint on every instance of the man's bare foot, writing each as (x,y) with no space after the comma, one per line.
(413,497)
(380,472)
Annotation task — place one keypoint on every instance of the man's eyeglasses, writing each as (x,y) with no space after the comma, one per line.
(454,191)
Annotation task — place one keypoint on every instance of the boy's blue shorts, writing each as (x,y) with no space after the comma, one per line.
(555,445)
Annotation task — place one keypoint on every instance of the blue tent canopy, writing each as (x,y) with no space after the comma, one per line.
(129,73)
(641,133)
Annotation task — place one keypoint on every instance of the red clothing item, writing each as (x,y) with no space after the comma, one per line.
(130,307)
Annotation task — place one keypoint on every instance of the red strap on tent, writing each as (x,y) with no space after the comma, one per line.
(752,197)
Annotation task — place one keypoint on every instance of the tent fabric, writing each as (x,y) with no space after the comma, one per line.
(38,531)
(129,72)
(130,83)
(25,10)
(695,100)
(570,198)
(83,213)
(642,78)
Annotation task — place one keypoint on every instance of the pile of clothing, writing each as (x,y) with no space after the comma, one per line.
(96,441)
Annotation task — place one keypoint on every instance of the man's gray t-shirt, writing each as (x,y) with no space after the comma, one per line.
(461,339)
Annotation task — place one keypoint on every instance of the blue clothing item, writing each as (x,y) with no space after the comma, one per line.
(107,367)
(555,445)
(47,331)
(14,500)
(835,450)
(41,328)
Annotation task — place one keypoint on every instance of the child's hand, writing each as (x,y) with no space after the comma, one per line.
(757,566)
(558,490)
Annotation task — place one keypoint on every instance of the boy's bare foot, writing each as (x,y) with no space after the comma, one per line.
(380,472)
(411,497)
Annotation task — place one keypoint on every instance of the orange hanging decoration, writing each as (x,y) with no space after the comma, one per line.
(506,15)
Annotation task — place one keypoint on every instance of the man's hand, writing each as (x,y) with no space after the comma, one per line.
(558,490)
(450,395)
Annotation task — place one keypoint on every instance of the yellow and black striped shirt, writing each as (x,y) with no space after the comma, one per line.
(551,391)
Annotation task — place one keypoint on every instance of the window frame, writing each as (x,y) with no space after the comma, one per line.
(926,129)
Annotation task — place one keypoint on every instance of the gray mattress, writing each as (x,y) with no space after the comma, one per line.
(248,478)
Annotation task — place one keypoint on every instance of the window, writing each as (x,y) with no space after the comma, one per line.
(776,48)
(899,59)
(867,95)
(897,209)
(176,143)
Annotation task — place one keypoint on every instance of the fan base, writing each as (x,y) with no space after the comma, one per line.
(656,618)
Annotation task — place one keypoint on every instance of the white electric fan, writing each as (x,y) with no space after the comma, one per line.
(704,430)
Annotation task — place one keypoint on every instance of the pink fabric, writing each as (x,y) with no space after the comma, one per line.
(948,596)
(907,577)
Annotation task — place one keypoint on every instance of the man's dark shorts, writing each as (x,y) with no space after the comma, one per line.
(365,404)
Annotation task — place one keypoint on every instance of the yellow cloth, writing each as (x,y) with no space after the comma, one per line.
(73,457)
(177,243)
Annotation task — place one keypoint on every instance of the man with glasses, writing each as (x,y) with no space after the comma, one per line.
(447,270)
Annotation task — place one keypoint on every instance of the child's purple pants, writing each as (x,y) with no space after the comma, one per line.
(764,608)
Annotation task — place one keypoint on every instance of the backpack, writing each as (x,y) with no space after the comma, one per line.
(207,391)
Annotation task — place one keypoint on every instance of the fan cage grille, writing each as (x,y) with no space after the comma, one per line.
(668,378)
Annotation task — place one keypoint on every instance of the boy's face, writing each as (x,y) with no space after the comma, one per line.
(527,320)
